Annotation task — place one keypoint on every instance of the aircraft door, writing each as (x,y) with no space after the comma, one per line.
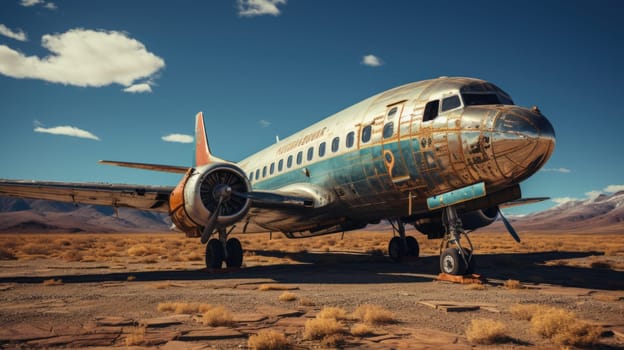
(391,145)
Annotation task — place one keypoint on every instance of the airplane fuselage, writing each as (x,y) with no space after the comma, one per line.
(383,157)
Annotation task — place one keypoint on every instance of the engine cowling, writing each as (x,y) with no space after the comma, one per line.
(472,220)
(195,198)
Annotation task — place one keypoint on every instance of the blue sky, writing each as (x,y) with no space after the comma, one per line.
(263,68)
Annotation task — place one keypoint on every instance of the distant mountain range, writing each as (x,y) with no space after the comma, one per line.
(604,213)
(26,215)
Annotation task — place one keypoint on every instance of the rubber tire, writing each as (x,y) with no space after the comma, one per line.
(396,250)
(452,263)
(214,254)
(234,253)
(412,246)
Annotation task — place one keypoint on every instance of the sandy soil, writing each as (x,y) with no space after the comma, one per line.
(101,304)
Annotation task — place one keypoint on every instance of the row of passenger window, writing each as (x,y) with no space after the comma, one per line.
(298,159)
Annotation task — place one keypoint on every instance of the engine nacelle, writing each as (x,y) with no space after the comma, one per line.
(194,200)
(472,220)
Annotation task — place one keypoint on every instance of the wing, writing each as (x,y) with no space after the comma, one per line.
(523,201)
(154,198)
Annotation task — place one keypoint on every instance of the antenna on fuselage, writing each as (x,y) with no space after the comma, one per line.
(276,138)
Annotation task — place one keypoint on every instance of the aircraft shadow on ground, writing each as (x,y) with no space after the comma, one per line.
(350,268)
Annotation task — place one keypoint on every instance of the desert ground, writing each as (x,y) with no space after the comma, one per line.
(554,290)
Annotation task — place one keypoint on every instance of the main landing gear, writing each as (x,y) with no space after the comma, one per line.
(454,258)
(401,246)
(224,249)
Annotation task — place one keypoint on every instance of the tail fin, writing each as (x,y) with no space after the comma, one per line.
(203,155)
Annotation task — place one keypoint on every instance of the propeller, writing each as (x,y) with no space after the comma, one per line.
(509,228)
(223,192)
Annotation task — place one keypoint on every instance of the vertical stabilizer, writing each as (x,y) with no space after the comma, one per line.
(202,148)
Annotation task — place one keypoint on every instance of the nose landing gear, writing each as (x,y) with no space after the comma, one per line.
(454,258)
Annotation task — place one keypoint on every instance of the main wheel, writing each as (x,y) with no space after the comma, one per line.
(214,254)
(412,246)
(452,263)
(234,253)
(396,250)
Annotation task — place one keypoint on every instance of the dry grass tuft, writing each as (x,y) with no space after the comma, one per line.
(561,326)
(318,328)
(475,286)
(486,331)
(525,311)
(361,330)
(138,250)
(374,315)
(53,282)
(218,316)
(268,287)
(183,308)
(268,340)
(328,312)
(513,284)
(288,296)
(306,302)
(136,336)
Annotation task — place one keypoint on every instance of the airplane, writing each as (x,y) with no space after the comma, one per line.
(443,155)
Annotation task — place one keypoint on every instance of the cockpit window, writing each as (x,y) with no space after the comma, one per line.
(431,110)
(484,93)
(450,103)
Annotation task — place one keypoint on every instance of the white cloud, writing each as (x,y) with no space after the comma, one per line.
(66,131)
(17,35)
(29,3)
(372,61)
(138,88)
(614,188)
(557,170)
(50,6)
(562,200)
(84,57)
(252,8)
(181,138)
(264,123)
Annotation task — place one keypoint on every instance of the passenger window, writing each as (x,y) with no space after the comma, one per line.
(310,153)
(391,113)
(251,176)
(431,110)
(388,130)
(366,133)
(335,144)
(257,174)
(450,103)
(321,149)
(264,171)
(299,157)
(350,139)
(289,162)
(280,165)
(272,169)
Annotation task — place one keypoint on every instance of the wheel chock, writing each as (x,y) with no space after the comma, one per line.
(462,279)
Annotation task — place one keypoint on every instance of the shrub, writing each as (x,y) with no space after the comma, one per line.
(373,314)
(512,284)
(361,330)
(183,308)
(288,296)
(485,331)
(525,311)
(336,313)
(319,328)
(268,340)
(218,316)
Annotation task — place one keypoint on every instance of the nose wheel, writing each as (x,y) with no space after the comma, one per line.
(454,258)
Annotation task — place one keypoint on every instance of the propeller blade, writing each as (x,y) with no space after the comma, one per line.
(212,222)
(509,228)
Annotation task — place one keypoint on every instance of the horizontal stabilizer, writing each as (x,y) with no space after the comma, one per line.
(523,201)
(145,166)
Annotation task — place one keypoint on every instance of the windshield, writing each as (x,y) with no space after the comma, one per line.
(483,93)
(481,99)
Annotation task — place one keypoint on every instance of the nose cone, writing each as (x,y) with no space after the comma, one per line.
(522,142)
